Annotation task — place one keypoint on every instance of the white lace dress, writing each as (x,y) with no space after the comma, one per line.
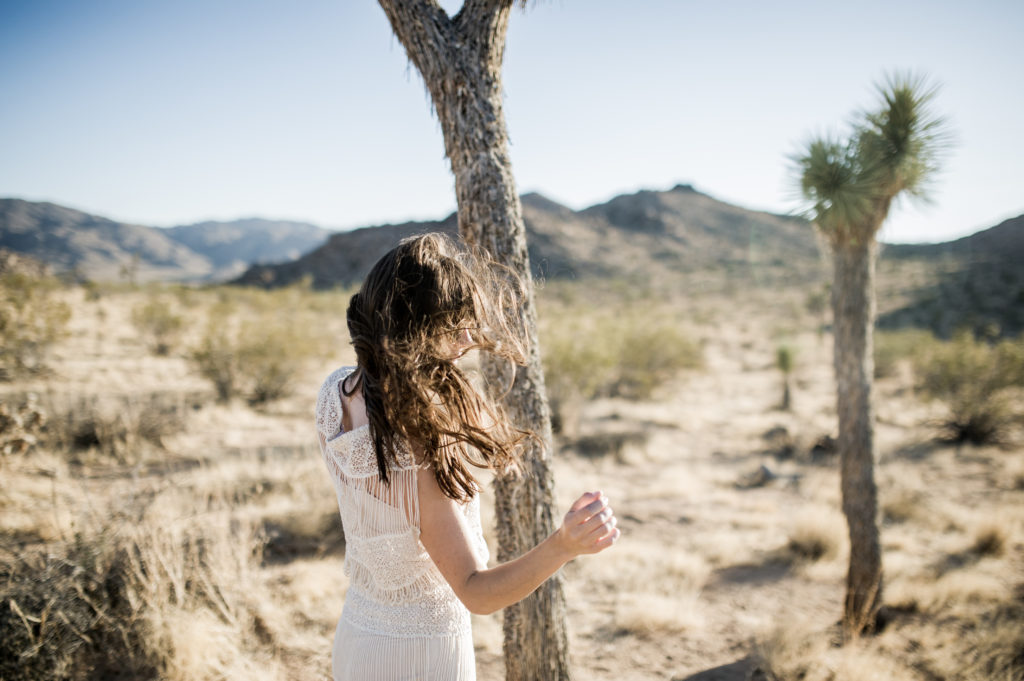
(401,620)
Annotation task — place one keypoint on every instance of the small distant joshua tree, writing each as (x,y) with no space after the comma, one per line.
(784,362)
(850,185)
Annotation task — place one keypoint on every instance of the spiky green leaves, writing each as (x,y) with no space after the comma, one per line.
(904,138)
(839,189)
(849,184)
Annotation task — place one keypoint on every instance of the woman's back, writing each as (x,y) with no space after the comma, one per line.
(401,617)
(415,554)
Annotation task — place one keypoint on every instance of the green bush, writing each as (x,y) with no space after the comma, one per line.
(894,347)
(649,355)
(32,319)
(785,358)
(975,380)
(271,355)
(590,352)
(159,324)
(216,357)
(259,357)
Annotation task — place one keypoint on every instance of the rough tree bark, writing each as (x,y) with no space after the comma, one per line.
(460,59)
(853,304)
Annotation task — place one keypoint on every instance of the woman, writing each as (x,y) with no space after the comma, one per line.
(398,433)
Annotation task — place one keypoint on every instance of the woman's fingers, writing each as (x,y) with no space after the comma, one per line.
(606,541)
(582,510)
(591,527)
(585,499)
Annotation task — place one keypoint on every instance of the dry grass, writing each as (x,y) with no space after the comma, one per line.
(990,538)
(125,429)
(652,615)
(819,534)
(792,651)
(175,597)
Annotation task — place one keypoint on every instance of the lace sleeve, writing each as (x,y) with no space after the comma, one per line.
(328,404)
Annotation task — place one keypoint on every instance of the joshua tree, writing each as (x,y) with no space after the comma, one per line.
(850,186)
(460,58)
(784,361)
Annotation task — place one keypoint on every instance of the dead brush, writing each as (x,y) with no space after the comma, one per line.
(988,646)
(815,537)
(121,429)
(990,539)
(22,421)
(63,614)
(32,318)
(900,504)
(791,652)
(620,350)
(176,600)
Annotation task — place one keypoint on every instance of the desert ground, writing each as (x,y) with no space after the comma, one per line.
(150,530)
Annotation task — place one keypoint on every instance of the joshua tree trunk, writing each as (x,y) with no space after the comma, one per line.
(460,60)
(853,306)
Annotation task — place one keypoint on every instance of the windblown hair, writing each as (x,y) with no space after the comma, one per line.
(404,323)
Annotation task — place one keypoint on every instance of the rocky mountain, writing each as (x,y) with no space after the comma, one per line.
(648,234)
(1003,242)
(101,249)
(232,246)
(92,246)
(981,287)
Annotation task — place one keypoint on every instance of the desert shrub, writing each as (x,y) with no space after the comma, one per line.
(812,546)
(59,613)
(255,353)
(590,352)
(789,652)
(169,600)
(990,539)
(216,356)
(650,354)
(272,354)
(894,347)
(21,423)
(32,319)
(157,321)
(975,380)
(120,428)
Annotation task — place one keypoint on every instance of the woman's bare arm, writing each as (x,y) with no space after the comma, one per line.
(588,527)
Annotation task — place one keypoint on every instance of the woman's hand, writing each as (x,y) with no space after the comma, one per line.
(589,526)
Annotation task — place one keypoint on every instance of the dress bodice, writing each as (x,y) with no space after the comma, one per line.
(394,586)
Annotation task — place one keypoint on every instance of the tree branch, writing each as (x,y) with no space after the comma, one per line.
(482,8)
(481,25)
(425,31)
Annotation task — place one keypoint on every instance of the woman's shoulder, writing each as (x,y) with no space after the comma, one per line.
(328,401)
(336,377)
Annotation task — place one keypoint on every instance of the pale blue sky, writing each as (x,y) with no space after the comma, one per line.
(167,113)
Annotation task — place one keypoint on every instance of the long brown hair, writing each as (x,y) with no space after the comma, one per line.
(404,323)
